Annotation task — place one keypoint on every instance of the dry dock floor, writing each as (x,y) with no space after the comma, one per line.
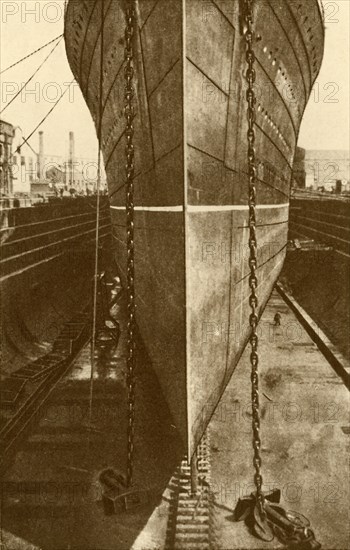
(305,434)
(50,494)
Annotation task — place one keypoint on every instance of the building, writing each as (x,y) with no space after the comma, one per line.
(324,168)
(6,139)
(23,166)
(71,172)
(23,170)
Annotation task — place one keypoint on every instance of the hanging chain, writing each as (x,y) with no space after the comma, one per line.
(253,282)
(129,114)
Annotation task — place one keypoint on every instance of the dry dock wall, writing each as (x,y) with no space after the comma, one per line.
(325,220)
(319,277)
(47,262)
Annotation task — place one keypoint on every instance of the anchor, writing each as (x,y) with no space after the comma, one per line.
(288,527)
(262,513)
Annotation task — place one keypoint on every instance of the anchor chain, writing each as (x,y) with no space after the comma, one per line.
(129,114)
(265,519)
(253,281)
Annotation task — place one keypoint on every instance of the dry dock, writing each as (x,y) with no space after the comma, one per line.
(51,498)
(305,434)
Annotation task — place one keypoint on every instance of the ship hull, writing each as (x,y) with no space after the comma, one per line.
(191,234)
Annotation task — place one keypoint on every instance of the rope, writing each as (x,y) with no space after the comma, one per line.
(97,229)
(45,117)
(31,77)
(32,53)
(29,145)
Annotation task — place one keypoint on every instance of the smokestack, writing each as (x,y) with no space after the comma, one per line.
(71,157)
(41,174)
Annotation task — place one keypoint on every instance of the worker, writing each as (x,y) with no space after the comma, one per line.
(277,319)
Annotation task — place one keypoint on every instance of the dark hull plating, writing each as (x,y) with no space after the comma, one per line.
(191,185)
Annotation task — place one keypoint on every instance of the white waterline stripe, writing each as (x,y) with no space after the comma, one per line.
(205,208)
(153,208)
(231,207)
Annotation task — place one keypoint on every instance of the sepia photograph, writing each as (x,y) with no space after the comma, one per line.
(175,275)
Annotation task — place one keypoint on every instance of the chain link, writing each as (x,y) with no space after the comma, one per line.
(129,115)
(253,281)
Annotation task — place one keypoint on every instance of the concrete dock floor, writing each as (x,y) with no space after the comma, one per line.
(51,497)
(305,434)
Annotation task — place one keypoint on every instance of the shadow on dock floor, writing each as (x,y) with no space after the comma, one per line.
(51,496)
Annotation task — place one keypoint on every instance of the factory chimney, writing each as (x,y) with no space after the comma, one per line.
(41,175)
(71,158)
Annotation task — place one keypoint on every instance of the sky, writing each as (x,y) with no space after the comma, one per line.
(21,33)
(326,120)
(27,24)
